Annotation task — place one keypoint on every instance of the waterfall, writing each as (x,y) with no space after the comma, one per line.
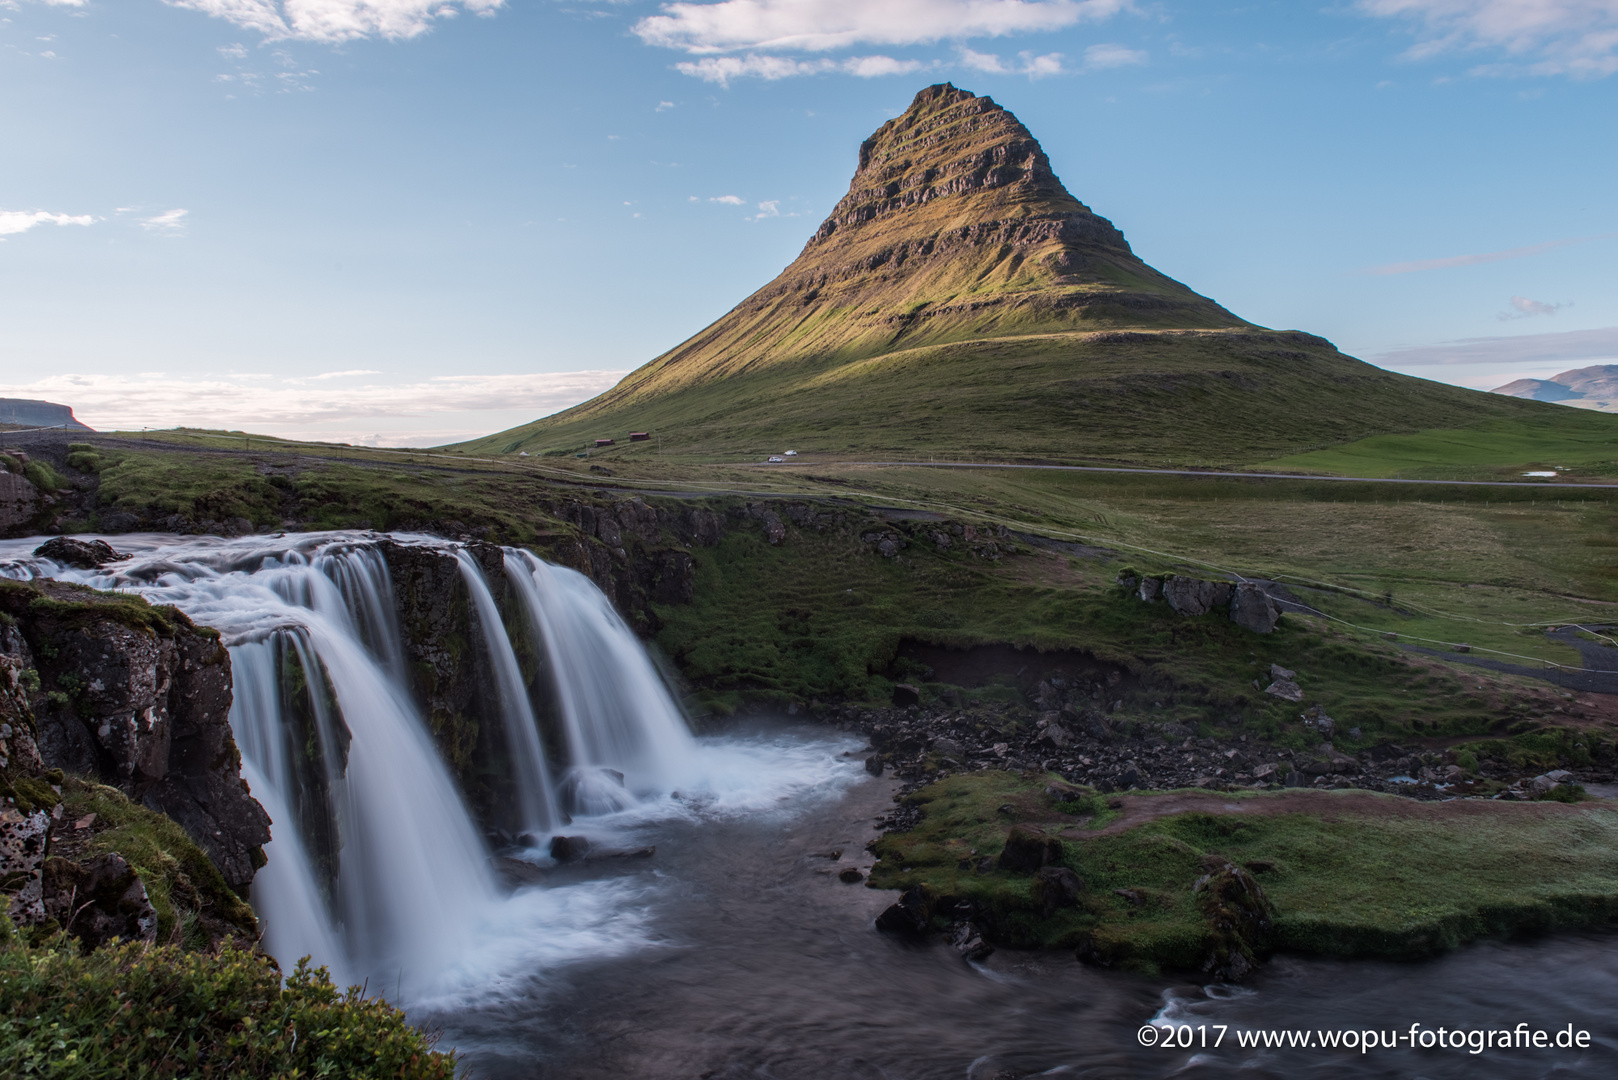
(377,868)
(625,734)
(537,803)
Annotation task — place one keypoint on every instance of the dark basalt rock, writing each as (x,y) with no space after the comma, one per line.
(1252,609)
(107,900)
(1057,887)
(139,699)
(1028,849)
(1240,921)
(84,554)
(569,848)
(19,501)
(910,916)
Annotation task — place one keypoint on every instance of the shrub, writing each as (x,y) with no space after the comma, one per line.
(137,1011)
(85,460)
(44,477)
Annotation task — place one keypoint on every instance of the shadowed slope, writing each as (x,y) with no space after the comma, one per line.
(959,300)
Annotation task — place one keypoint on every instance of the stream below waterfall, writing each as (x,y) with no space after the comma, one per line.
(734,950)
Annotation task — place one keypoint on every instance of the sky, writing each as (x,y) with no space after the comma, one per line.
(405,222)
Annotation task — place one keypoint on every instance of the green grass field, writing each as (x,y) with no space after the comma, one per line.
(1347,873)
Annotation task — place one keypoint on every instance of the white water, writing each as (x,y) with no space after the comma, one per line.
(616,710)
(407,898)
(538,803)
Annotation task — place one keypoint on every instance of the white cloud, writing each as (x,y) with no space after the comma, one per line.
(13,222)
(342,374)
(1542,37)
(1569,349)
(331,21)
(233,52)
(1485,257)
(170,221)
(728,200)
(873,67)
(1524,308)
(664,106)
(819,25)
(722,69)
(1101,57)
(768,208)
(419,413)
(982,61)
(1027,63)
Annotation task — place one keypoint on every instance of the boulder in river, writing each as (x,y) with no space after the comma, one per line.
(968,940)
(83,554)
(910,915)
(569,848)
(1240,920)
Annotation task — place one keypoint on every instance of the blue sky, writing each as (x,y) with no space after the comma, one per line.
(409,221)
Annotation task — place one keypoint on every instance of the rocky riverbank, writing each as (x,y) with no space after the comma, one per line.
(1086,743)
(155,835)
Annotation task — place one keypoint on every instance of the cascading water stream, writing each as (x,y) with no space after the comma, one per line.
(616,711)
(536,799)
(376,867)
(411,871)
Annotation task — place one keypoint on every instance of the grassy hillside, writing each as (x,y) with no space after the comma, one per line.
(960,302)
(1189,398)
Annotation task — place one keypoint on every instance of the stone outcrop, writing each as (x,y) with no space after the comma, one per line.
(1190,596)
(59,868)
(1250,607)
(19,501)
(447,660)
(637,553)
(138,698)
(1028,849)
(83,554)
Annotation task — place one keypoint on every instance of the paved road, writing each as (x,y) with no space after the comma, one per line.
(1201,472)
(694,491)
(1600,674)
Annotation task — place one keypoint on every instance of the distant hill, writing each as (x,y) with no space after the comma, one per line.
(28,413)
(1585,388)
(959,301)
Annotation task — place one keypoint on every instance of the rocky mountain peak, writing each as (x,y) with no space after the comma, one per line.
(953,145)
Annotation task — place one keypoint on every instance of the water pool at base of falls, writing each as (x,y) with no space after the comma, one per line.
(735,950)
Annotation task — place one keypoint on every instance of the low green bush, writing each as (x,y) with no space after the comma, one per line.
(137,1011)
(85,460)
(44,477)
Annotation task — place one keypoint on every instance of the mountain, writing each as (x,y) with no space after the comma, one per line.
(1585,388)
(959,301)
(29,413)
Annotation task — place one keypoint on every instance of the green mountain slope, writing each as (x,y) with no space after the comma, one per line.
(958,301)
